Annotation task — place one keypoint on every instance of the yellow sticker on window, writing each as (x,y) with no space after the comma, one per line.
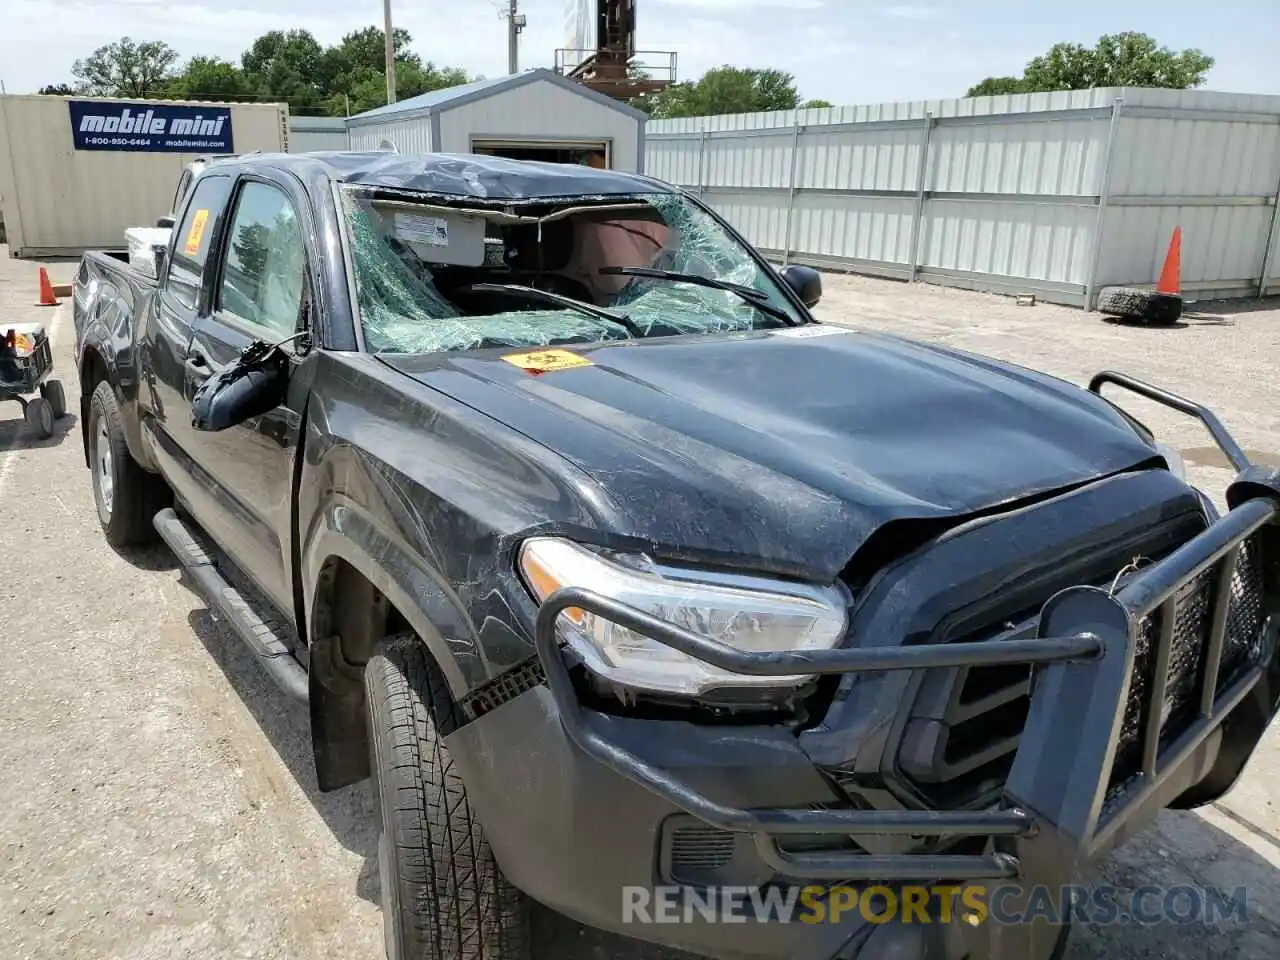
(546,361)
(196,232)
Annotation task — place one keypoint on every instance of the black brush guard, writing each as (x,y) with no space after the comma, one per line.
(1062,808)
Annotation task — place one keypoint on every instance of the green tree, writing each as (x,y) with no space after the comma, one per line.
(412,79)
(209,78)
(994,86)
(724,90)
(288,66)
(1117,60)
(356,69)
(125,69)
(57,90)
(362,53)
(816,104)
(283,66)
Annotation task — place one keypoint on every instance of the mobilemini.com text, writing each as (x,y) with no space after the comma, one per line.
(973,904)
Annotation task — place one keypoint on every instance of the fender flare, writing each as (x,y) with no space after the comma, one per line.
(96,343)
(343,531)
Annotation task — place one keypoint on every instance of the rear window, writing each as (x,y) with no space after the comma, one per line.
(193,237)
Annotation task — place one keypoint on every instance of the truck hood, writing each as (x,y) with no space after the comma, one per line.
(785,450)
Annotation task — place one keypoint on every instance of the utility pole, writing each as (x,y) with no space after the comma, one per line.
(515,24)
(391,52)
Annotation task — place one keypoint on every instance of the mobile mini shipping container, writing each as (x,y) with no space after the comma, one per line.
(76,172)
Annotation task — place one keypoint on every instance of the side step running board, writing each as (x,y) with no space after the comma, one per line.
(231,605)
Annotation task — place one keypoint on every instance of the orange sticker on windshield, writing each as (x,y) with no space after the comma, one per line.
(546,361)
(197,232)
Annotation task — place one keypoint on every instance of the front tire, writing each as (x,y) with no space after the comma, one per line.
(443,895)
(127,496)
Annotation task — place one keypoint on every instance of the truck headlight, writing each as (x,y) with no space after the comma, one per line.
(747,613)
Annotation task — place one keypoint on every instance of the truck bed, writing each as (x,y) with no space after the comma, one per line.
(113,267)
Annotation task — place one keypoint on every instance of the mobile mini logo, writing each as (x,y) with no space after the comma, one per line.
(146,122)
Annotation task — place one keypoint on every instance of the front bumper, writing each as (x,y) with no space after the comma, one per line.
(1102,657)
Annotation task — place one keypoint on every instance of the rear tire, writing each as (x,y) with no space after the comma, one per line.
(443,895)
(127,496)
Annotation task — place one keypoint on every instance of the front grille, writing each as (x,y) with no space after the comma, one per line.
(959,743)
(964,725)
(699,851)
(696,854)
(1240,649)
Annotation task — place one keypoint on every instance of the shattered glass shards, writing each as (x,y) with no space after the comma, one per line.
(402,311)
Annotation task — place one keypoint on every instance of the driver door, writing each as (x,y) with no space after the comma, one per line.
(260,292)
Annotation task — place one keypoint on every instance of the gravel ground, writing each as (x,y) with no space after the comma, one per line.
(157,796)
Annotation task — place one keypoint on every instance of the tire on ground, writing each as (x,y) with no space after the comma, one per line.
(1155,309)
(443,895)
(136,494)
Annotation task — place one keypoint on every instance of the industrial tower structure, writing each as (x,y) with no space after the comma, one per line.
(602,52)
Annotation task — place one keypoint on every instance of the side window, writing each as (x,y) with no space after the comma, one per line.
(264,272)
(193,237)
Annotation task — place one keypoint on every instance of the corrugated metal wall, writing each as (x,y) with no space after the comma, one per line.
(61,201)
(1000,193)
(410,135)
(318,133)
(540,110)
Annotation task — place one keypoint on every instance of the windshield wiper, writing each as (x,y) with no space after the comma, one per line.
(516,289)
(750,295)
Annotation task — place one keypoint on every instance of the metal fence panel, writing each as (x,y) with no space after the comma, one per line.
(1056,193)
(1030,241)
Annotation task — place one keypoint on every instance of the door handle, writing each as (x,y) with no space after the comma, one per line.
(197,367)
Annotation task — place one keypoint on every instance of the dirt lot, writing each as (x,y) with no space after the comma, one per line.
(156,797)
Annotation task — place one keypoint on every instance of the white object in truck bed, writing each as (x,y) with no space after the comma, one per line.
(142,241)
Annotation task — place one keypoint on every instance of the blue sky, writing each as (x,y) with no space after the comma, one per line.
(846,51)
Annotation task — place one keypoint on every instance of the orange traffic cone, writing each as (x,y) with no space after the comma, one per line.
(47,298)
(1171,276)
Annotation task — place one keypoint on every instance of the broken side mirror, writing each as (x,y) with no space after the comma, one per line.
(241,392)
(805,281)
(254,385)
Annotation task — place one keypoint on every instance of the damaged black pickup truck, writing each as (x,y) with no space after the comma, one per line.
(616,571)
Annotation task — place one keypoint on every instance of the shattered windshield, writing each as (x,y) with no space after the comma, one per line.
(432,275)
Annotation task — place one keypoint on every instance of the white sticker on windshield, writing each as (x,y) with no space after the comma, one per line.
(412,228)
(809,330)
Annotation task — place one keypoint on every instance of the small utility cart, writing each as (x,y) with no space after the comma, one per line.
(26,360)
